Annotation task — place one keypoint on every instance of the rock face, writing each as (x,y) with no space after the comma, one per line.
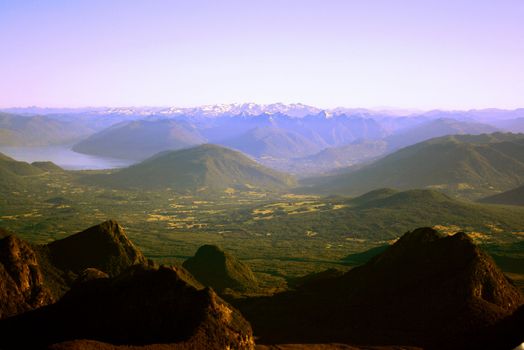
(220,270)
(104,247)
(141,306)
(425,290)
(21,281)
(34,276)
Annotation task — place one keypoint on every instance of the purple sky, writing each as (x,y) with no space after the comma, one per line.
(450,54)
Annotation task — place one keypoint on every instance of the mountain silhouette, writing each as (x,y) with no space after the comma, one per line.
(220,270)
(141,306)
(104,247)
(425,290)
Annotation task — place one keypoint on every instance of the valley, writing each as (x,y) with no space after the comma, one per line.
(280,234)
(278,225)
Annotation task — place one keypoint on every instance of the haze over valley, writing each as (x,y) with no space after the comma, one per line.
(275,175)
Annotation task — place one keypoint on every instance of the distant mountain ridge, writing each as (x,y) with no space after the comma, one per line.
(272,142)
(16,130)
(436,128)
(460,164)
(140,139)
(514,196)
(276,134)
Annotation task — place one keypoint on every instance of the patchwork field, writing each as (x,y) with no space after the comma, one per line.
(280,235)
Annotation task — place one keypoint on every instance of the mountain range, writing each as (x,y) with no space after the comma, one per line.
(278,135)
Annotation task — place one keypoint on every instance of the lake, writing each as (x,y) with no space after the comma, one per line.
(64,157)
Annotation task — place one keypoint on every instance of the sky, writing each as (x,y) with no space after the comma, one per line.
(424,54)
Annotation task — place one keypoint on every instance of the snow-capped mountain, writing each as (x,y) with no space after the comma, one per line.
(297,110)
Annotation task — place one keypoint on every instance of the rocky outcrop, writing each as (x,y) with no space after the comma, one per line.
(104,247)
(141,306)
(425,290)
(220,270)
(22,285)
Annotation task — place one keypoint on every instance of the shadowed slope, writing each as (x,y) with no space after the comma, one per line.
(215,268)
(425,290)
(141,306)
(104,246)
(22,285)
(512,197)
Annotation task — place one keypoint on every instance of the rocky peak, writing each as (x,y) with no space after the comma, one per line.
(216,268)
(105,247)
(21,280)
(141,306)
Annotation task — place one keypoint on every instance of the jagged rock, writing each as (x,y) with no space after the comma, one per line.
(104,247)
(21,281)
(90,274)
(425,290)
(220,270)
(141,306)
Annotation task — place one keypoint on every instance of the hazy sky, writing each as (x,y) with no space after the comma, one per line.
(450,54)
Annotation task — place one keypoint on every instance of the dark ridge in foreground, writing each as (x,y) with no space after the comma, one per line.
(104,246)
(22,286)
(141,306)
(220,270)
(427,290)
(34,276)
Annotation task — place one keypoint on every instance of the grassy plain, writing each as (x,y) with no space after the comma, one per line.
(280,235)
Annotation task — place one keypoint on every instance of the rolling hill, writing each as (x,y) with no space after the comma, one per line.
(14,174)
(140,139)
(383,214)
(468,165)
(205,168)
(514,196)
(17,175)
